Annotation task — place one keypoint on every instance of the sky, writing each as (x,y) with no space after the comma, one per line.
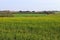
(30,5)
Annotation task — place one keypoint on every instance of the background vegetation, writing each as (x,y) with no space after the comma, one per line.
(30,26)
(25,13)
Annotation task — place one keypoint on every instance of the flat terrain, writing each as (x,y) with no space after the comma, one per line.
(30,28)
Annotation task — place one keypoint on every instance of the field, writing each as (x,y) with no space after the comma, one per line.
(30,28)
(29,15)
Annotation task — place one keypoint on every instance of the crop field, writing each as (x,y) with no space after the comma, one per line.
(30,28)
(29,15)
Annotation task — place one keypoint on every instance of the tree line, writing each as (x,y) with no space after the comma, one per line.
(10,13)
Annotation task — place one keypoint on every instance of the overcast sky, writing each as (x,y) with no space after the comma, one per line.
(36,5)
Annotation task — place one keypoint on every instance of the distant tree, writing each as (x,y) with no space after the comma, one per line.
(20,11)
(27,11)
(33,11)
(48,12)
(5,14)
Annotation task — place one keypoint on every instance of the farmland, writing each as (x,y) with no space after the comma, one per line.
(44,27)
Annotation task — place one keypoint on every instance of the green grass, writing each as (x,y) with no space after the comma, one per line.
(29,15)
(30,28)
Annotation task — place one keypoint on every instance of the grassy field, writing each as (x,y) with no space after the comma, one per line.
(29,15)
(30,28)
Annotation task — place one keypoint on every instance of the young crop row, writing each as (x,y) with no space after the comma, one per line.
(29,28)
